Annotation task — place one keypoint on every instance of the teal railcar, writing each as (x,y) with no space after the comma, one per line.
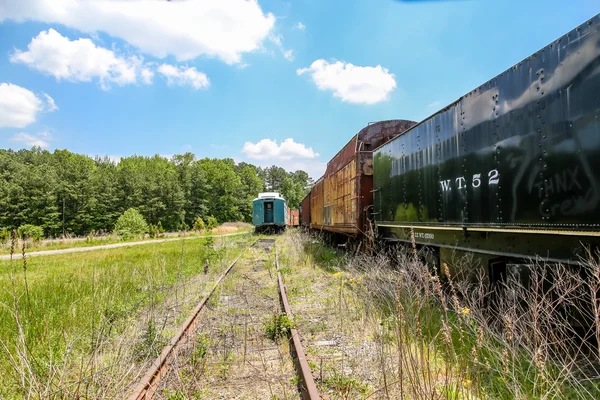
(269,212)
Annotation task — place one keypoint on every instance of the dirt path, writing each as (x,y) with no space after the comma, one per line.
(111,246)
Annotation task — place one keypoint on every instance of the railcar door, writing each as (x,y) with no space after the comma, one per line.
(268,212)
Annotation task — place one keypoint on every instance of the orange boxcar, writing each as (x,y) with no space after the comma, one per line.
(340,200)
(316,204)
(305,211)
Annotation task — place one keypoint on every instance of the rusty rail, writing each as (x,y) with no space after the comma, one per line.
(146,388)
(309,389)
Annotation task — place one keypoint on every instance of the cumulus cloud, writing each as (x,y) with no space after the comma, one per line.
(269,149)
(77,60)
(352,84)
(300,26)
(81,60)
(40,140)
(147,76)
(19,107)
(184,76)
(185,29)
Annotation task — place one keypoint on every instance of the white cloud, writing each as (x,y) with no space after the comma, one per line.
(434,104)
(184,76)
(28,140)
(185,29)
(19,106)
(147,76)
(82,61)
(352,84)
(51,104)
(289,55)
(268,149)
(77,60)
(300,26)
(278,41)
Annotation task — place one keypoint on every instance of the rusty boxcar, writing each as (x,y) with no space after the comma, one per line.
(305,211)
(294,217)
(342,199)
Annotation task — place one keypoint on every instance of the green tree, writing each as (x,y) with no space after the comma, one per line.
(29,231)
(62,191)
(131,224)
(251,185)
(212,222)
(292,192)
(199,224)
(274,177)
(225,185)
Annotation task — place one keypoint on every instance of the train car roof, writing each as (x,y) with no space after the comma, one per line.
(269,195)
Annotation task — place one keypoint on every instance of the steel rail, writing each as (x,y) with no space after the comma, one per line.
(309,389)
(146,388)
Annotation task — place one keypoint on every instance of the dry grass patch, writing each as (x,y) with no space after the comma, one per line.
(388,327)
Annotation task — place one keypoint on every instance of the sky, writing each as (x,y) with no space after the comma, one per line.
(270,82)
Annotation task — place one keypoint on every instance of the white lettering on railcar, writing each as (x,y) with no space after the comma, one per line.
(423,235)
(462,183)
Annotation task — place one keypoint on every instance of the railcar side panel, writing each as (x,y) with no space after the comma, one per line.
(317,204)
(347,183)
(519,154)
(305,211)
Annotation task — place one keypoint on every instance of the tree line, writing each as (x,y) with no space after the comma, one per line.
(64,192)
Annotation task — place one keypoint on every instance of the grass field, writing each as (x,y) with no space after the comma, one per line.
(55,311)
(87,324)
(66,243)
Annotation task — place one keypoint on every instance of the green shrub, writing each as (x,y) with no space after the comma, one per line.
(199,224)
(156,231)
(29,231)
(4,234)
(212,222)
(183,226)
(131,224)
(278,326)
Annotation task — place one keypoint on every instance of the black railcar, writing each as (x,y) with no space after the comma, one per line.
(510,170)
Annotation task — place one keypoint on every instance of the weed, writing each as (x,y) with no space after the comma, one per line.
(201,348)
(174,395)
(151,342)
(344,385)
(278,326)
(225,365)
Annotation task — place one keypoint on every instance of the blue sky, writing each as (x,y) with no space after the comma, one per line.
(267,81)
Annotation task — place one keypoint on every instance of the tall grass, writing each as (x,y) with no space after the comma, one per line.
(71,325)
(440,337)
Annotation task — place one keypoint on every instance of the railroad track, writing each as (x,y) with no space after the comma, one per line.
(231,328)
